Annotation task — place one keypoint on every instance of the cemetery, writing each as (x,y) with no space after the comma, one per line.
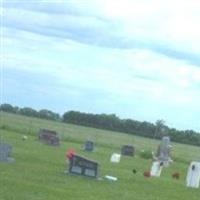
(92,175)
(99,100)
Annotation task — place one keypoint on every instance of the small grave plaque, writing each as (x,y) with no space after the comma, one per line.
(89,146)
(82,166)
(128,150)
(49,137)
(115,158)
(156,168)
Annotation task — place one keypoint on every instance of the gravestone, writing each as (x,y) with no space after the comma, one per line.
(128,150)
(115,158)
(89,146)
(5,153)
(84,167)
(193,175)
(163,152)
(49,137)
(156,169)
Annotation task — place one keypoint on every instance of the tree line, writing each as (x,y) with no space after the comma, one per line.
(27,111)
(130,126)
(113,123)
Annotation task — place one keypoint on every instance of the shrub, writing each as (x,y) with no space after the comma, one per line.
(145,154)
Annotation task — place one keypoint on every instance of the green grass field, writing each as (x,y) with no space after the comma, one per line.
(38,172)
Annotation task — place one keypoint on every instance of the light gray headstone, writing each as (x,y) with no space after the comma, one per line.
(163,152)
(89,146)
(5,152)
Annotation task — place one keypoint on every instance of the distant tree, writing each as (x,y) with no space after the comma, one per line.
(16,109)
(28,112)
(159,128)
(7,108)
(47,114)
(112,122)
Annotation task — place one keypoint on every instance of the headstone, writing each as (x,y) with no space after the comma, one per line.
(111,178)
(128,150)
(49,137)
(193,175)
(163,152)
(5,152)
(89,146)
(156,168)
(115,158)
(82,166)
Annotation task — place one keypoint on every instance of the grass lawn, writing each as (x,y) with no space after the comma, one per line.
(38,170)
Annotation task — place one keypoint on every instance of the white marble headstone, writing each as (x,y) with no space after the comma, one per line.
(115,158)
(193,175)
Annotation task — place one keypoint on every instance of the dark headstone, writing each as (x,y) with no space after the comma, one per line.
(84,167)
(128,150)
(5,152)
(89,146)
(49,137)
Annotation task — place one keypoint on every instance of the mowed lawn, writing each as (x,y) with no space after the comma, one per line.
(38,170)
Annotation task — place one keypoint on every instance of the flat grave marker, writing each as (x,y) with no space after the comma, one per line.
(115,158)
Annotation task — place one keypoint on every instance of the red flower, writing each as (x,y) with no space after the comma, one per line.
(147,174)
(70,154)
(176,175)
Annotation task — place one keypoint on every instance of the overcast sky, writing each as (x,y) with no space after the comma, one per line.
(139,59)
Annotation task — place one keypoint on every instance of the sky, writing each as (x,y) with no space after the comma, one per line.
(139,59)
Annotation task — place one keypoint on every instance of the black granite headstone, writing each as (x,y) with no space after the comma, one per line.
(84,167)
(127,150)
(49,137)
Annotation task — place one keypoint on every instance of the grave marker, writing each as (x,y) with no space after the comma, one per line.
(115,158)
(49,137)
(127,150)
(163,152)
(5,153)
(193,175)
(156,168)
(84,167)
(89,146)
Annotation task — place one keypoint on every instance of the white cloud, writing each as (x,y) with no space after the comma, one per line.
(173,22)
(135,82)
